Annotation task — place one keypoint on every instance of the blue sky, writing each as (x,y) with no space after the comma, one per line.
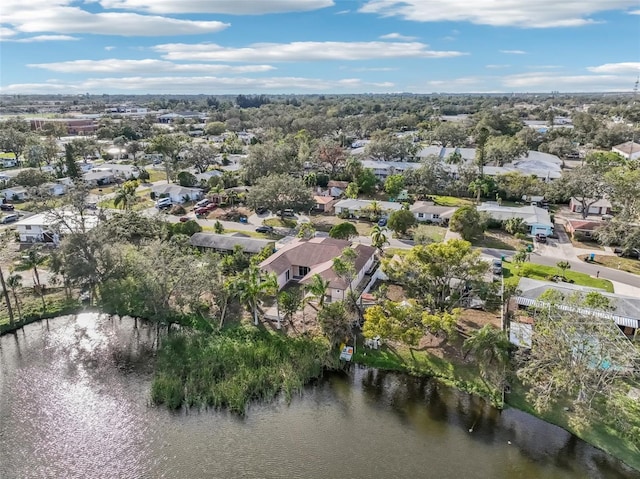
(318,46)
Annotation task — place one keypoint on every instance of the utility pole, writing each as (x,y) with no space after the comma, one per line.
(6,297)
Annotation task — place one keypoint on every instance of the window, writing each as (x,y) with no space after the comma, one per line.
(420,215)
(303,270)
(287,276)
(27,227)
(435,216)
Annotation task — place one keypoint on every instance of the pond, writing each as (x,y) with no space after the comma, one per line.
(74,402)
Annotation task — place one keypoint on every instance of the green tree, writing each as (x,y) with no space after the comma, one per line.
(584,183)
(344,230)
(503,149)
(5,292)
(71,167)
(378,238)
(393,185)
(170,147)
(187,179)
(515,225)
(218,228)
(280,192)
(400,221)
(440,276)
(215,128)
(251,287)
(318,288)
(352,190)
(449,134)
(32,259)
(468,222)
(490,347)
(563,266)
(306,230)
(125,196)
(14,282)
(331,154)
(394,321)
(290,303)
(367,181)
(335,323)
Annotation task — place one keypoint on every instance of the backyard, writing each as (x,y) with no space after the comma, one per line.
(513,272)
(499,239)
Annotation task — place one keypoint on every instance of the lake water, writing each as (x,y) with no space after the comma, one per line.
(74,402)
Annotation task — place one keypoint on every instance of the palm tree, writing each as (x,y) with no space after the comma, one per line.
(318,288)
(490,346)
(5,292)
(126,195)
(14,282)
(375,208)
(32,260)
(250,287)
(563,266)
(378,238)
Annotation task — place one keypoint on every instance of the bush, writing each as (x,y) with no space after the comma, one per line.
(177,210)
(521,236)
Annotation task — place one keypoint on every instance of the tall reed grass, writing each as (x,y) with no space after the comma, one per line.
(230,368)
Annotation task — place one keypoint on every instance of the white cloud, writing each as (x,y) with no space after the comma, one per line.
(634,12)
(513,52)
(374,69)
(519,13)
(146,66)
(6,32)
(300,51)
(496,67)
(58,16)
(544,81)
(45,38)
(109,48)
(617,68)
(234,7)
(343,12)
(199,85)
(397,36)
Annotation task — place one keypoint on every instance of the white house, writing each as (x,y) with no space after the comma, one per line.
(629,150)
(624,312)
(599,207)
(53,189)
(98,178)
(537,219)
(126,172)
(48,227)
(354,207)
(300,259)
(427,211)
(15,193)
(383,169)
(177,193)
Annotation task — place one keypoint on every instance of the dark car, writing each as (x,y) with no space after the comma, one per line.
(496,266)
(264,229)
(261,210)
(628,253)
(7,207)
(184,219)
(541,238)
(382,222)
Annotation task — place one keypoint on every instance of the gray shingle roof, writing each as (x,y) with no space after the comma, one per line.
(228,243)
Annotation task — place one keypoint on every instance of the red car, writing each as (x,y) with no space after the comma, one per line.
(184,219)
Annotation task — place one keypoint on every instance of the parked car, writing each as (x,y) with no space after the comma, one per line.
(541,238)
(184,219)
(202,203)
(261,210)
(7,207)
(164,203)
(496,266)
(264,229)
(203,210)
(10,219)
(628,253)
(382,222)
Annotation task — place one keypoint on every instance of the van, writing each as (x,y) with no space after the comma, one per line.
(10,219)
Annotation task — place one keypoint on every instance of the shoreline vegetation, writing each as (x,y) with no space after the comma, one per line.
(236,365)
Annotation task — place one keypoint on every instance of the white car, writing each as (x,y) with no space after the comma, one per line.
(201,203)
(164,203)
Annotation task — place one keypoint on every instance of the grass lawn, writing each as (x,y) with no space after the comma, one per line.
(251,234)
(513,272)
(623,264)
(402,358)
(280,223)
(435,233)
(598,434)
(156,175)
(324,223)
(500,240)
(592,245)
(450,200)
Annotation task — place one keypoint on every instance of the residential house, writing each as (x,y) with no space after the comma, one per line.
(126,172)
(337,188)
(4,179)
(324,203)
(98,178)
(354,207)
(624,312)
(300,259)
(582,229)
(207,175)
(629,150)
(53,189)
(177,193)
(50,226)
(537,219)
(228,243)
(427,211)
(15,193)
(600,207)
(383,169)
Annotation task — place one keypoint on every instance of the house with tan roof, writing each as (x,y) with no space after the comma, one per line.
(601,206)
(429,212)
(582,229)
(300,259)
(630,150)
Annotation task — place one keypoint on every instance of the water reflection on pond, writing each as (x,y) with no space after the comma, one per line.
(74,403)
